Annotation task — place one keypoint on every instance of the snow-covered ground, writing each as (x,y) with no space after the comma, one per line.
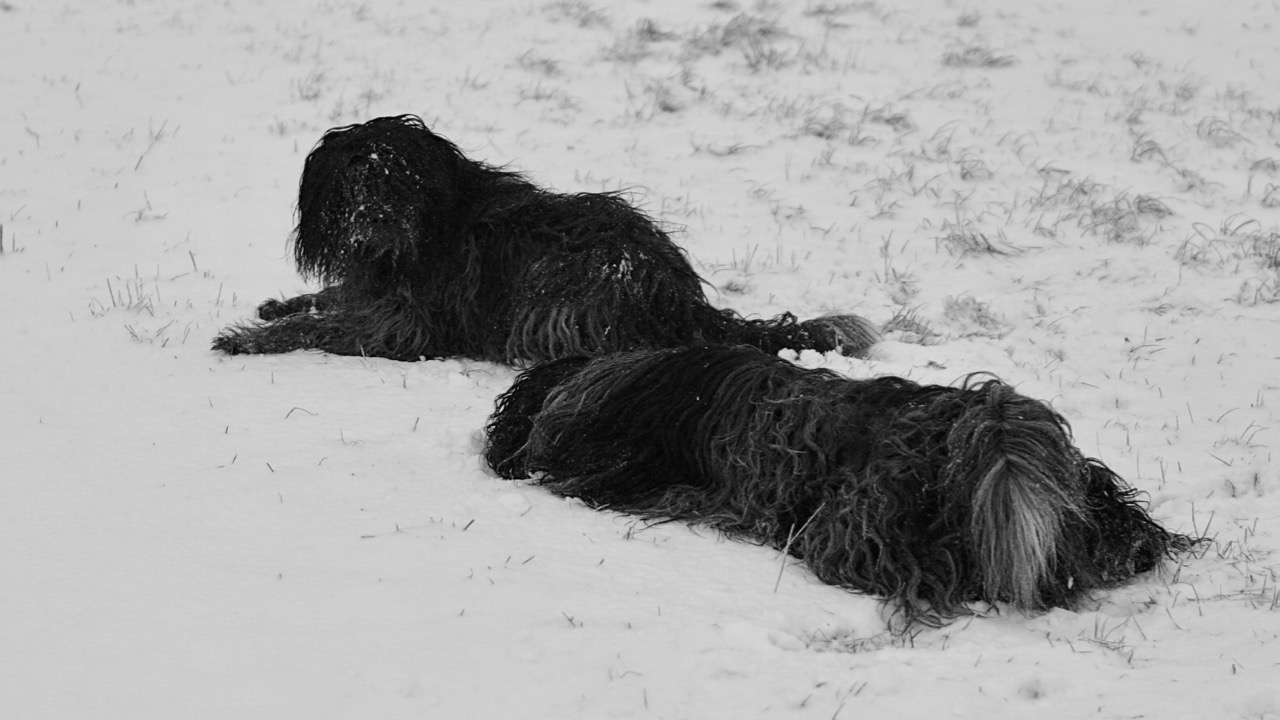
(1082,197)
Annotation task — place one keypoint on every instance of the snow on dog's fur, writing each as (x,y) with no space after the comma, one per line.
(426,253)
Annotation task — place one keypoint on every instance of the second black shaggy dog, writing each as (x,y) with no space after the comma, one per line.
(425,253)
(933,497)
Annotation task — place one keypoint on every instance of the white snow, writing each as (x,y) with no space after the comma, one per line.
(187,535)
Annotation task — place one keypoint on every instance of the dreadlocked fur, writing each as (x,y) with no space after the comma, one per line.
(933,497)
(423,252)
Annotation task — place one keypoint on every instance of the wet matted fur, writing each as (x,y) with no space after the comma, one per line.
(423,252)
(933,497)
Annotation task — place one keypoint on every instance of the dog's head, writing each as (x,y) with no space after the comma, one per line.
(372,197)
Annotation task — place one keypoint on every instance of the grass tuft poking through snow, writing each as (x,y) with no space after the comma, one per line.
(1082,198)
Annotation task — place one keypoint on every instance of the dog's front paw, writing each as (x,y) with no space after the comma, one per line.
(852,335)
(271,309)
(235,341)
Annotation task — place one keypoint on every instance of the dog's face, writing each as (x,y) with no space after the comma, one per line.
(375,204)
(374,196)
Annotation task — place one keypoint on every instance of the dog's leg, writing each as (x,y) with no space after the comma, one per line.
(297,331)
(1119,538)
(273,309)
(389,334)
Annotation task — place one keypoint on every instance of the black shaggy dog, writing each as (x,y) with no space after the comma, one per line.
(933,497)
(425,253)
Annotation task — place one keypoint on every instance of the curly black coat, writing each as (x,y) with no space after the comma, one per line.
(931,496)
(423,252)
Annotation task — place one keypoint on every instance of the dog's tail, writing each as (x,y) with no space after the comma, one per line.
(1013,458)
(850,335)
